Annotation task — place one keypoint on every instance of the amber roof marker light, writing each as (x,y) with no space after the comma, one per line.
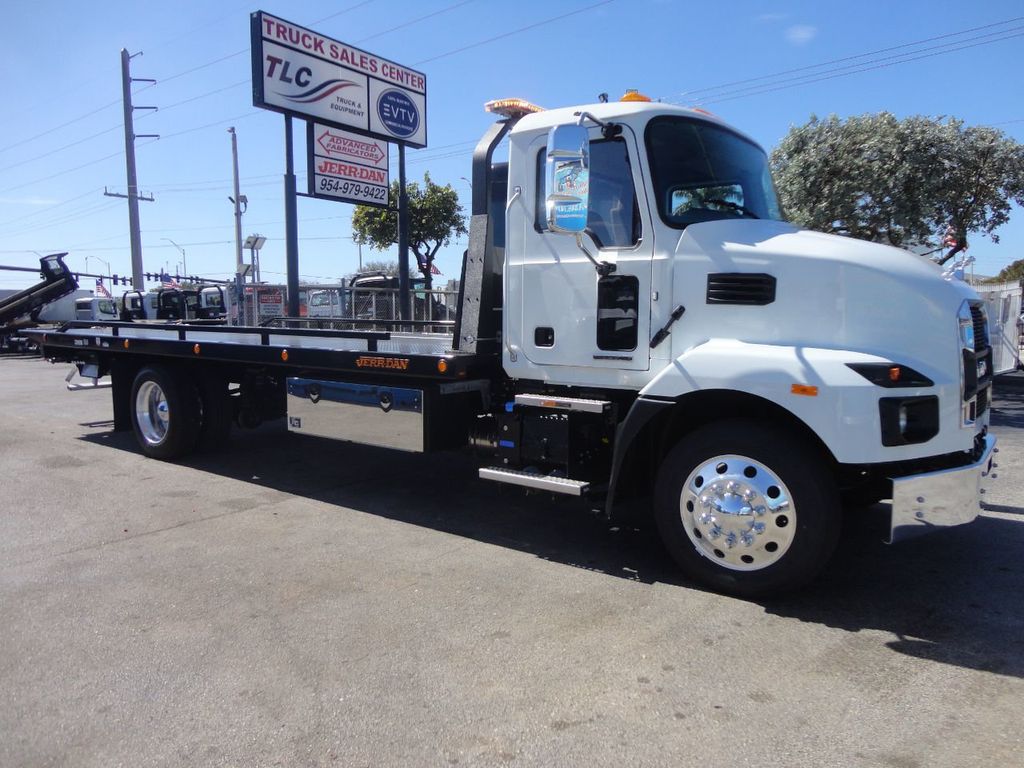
(633,94)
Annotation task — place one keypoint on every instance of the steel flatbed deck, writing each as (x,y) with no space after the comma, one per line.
(423,355)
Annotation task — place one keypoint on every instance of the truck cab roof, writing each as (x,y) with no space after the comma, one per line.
(634,112)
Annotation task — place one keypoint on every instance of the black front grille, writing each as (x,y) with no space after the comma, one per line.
(980,332)
(982,402)
(755,289)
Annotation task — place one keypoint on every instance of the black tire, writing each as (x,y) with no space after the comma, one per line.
(165,409)
(217,415)
(765,520)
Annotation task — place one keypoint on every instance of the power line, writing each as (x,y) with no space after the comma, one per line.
(189,100)
(65,171)
(67,219)
(210,125)
(60,127)
(48,207)
(51,152)
(844,72)
(196,68)
(502,36)
(415,21)
(192,30)
(343,11)
(226,57)
(851,58)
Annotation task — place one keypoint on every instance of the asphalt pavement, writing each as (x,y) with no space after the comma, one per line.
(298,602)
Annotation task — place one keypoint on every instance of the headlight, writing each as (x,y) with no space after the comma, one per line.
(908,420)
(966,321)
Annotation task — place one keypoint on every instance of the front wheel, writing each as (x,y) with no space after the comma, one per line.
(747,509)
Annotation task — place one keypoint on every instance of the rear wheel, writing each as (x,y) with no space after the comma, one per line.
(747,509)
(165,413)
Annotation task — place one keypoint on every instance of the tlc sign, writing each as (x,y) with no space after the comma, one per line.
(301,73)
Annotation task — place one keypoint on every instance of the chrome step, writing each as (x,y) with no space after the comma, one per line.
(532,480)
(564,403)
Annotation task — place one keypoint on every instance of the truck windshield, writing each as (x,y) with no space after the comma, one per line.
(702,172)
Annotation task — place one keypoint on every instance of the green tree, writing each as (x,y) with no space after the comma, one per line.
(1011,272)
(926,182)
(435,217)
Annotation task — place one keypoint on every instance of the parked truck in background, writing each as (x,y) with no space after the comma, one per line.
(636,323)
(165,304)
(51,300)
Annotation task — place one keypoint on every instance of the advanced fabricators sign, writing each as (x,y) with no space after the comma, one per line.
(346,166)
(301,73)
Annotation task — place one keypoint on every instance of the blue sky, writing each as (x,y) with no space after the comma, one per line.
(62,141)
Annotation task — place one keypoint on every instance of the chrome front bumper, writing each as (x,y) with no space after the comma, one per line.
(933,500)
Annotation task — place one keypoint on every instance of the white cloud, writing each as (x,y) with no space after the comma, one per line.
(28,200)
(801,34)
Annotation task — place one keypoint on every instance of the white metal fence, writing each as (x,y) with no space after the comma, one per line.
(1004,308)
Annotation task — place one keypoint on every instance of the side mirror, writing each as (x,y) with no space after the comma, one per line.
(567,188)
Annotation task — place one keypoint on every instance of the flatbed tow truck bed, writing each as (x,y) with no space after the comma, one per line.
(418,355)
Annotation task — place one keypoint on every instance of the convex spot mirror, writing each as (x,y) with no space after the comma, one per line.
(567,179)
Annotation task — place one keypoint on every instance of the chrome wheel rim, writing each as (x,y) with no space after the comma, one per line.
(151,413)
(738,513)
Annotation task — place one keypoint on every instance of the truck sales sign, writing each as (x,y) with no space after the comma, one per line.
(346,166)
(301,73)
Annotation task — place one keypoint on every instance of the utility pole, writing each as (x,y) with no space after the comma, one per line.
(129,156)
(237,200)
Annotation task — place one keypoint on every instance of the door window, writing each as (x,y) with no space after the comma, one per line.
(617,312)
(613,218)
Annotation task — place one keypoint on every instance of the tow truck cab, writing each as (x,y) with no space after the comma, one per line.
(173,304)
(96,308)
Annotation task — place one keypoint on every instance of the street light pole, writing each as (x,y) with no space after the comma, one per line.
(237,200)
(184,266)
(104,263)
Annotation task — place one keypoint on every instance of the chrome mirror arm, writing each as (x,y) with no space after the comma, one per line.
(603,267)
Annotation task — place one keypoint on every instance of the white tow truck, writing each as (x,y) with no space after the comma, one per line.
(636,322)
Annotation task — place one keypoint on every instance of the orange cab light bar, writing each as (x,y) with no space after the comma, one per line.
(633,94)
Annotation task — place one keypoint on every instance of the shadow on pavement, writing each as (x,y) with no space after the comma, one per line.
(1008,401)
(955,597)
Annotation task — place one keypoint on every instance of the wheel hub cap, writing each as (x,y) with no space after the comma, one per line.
(151,412)
(738,513)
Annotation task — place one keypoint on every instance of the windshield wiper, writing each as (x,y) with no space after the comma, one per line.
(733,206)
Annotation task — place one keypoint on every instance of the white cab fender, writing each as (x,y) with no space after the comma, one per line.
(814,385)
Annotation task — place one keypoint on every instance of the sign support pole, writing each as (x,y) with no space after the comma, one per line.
(403,239)
(291,222)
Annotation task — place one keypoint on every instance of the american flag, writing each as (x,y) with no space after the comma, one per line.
(101,289)
(433,269)
(167,281)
